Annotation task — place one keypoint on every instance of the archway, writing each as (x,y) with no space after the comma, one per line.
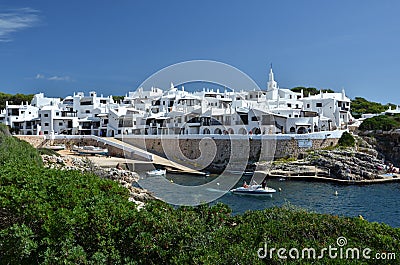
(256,130)
(206,131)
(242,131)
(301,130)
(217,131)
(292,130)
(230,131)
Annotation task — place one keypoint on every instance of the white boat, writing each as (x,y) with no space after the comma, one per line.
(90,150)
(256,190)
(157,173)
(56,147)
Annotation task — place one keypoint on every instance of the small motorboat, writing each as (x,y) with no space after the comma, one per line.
(254,190)
(157,173)
(90,150)
(56,147)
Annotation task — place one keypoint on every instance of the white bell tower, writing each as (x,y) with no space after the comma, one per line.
(272,86)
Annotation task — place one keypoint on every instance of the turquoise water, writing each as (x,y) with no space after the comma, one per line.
(376,203)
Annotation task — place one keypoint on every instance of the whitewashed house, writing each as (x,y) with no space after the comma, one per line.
(176,111)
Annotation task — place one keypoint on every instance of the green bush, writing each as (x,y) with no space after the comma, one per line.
(346,140)
(65,217)
(47,151)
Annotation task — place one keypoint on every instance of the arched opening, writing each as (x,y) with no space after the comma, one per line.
(301,130)
(217,131)
(29,133)
(315,128)
(206,131)
(256,130)
(292,130)
(242,131)
(230,131)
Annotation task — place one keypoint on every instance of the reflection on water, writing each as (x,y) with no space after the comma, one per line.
(376,203)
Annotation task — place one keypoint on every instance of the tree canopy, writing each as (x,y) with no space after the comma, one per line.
(309,91)
(14,99)
(381,122)
(118,98)
(360,106)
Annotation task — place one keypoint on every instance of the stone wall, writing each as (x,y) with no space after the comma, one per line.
(214,155)
(201,153)
(34,140)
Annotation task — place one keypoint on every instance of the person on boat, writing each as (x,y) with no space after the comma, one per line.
(264,182)
(245,185)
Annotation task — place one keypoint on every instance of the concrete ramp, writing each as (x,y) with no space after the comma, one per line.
(131,150)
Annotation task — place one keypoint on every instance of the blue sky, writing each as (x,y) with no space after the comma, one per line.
(59,47)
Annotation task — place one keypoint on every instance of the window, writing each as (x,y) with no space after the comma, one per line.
(57,113)
(46,115)
(22,111)
(46,124)
(308,105)
(103,101)
(319,105)
(46,132)
(60,124)
(87,111)
(40,115)
(289,105)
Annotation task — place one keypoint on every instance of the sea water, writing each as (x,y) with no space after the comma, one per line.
(376,202)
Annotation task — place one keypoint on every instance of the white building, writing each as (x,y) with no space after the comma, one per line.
(21,118)
(176,111)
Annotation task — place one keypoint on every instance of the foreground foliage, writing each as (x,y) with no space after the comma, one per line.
(58,217)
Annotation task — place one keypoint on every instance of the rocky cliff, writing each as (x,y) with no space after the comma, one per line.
(386,143)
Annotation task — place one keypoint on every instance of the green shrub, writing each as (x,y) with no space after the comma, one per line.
(47,151)
(346,140)
(65,217)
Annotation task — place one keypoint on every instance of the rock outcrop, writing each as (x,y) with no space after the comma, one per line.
(386,143)
(347,164)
